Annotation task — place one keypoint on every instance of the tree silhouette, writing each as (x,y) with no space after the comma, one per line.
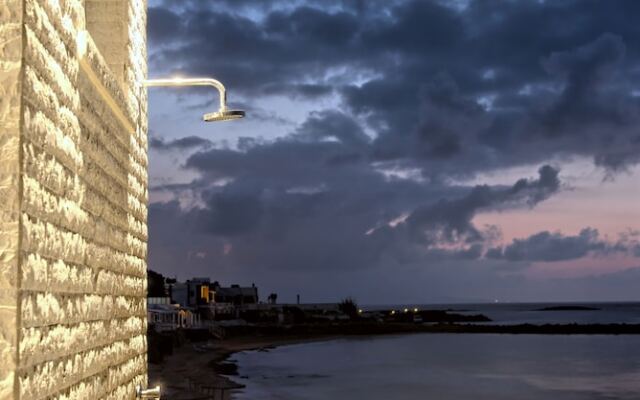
(349,307)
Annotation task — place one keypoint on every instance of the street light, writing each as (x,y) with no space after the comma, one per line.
(223,113)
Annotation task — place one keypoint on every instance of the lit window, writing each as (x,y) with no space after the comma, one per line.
(204,293)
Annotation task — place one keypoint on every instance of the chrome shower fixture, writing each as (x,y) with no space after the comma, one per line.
(223,113)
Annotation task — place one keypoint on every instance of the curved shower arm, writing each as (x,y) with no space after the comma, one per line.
(174,82)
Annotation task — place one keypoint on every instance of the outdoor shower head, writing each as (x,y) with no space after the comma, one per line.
(223,113)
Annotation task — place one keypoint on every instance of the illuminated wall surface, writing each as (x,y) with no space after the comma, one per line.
(73,195)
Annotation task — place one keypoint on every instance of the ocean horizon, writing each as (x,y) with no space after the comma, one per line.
(511,313)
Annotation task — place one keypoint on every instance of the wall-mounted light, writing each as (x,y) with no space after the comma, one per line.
(223,113)
(152,393)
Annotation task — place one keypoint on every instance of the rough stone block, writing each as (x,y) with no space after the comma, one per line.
(73,181)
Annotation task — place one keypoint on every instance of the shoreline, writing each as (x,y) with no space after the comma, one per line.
(196,371)
(184,374)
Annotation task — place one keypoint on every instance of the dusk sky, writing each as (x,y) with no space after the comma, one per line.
(400,151)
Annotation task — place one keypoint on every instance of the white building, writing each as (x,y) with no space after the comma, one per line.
(164,316)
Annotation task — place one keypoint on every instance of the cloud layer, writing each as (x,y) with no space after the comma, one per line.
(426,96)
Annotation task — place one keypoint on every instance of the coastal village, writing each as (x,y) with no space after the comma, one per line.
(201,310)
(200,304)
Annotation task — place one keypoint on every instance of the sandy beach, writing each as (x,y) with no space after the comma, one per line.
(196,371)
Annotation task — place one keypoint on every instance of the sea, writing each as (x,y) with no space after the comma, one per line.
(457,366)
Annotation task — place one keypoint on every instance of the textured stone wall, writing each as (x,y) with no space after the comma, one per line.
(109,30)
(10,100)
(73,184)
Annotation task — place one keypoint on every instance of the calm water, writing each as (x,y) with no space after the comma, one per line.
(448,367)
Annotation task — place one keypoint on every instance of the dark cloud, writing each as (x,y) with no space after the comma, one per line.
(450,221)
(335,125)
(329,147)
(547,246)
(586,97)
(308,202)
(165,27)
(185,143)
(523,79)
(313,25)
(415,26)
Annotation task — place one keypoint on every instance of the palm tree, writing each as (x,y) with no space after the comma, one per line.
(349,307)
